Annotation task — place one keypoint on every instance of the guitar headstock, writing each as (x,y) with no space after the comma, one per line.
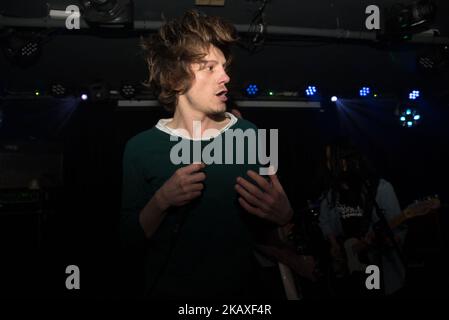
(422,207)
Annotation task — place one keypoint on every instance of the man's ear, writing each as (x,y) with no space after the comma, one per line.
(184,86)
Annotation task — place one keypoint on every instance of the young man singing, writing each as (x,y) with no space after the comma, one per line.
(195,219)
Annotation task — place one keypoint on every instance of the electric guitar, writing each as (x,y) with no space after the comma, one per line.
(353,246)
(287,277)
(290,263)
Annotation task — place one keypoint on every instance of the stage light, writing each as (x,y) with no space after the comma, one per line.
(29,49)
(108,13)
(334,99)
(271,93)
(128,91)
(252,90)
(404,20)
(37,93)
(84,97)
(58,90)
(22,48)
(414,95)
(409,117)
(365,91)
(434,59)
(311,90)
(99,91)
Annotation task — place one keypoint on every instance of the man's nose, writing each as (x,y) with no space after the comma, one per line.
(224,78)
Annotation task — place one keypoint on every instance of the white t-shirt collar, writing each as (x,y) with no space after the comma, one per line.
(162,125)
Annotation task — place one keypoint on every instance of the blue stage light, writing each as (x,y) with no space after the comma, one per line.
(252,90)
(311,90)
(409,117)
(365,91)
(414,95)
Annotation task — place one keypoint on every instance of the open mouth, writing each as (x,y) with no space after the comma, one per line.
(221,93)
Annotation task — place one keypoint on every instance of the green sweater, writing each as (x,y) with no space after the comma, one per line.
(211,254)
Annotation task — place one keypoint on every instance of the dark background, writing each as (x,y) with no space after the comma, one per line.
(81,212)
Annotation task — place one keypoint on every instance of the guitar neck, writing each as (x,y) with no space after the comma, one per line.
(398,220)
(419,208)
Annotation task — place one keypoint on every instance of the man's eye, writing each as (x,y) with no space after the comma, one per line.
(210,68)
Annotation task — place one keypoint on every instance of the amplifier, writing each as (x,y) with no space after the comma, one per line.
(20,200)
(26,164)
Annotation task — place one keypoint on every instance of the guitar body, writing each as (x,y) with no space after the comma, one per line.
(349,268)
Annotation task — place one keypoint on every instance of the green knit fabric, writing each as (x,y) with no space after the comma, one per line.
(211,254)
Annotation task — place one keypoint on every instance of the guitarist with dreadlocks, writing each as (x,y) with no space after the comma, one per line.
(348,218)
(361,218)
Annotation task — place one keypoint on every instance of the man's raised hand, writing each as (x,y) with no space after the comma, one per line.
(267,199)
(182,187)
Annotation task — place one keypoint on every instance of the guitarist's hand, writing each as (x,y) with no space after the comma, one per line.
(387,241)
(369,238)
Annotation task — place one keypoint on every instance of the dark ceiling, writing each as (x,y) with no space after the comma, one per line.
(335,65)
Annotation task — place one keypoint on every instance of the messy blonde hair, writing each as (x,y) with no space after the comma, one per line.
(170,52)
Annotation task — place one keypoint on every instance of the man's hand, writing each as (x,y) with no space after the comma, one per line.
(266,200)
(182,187)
